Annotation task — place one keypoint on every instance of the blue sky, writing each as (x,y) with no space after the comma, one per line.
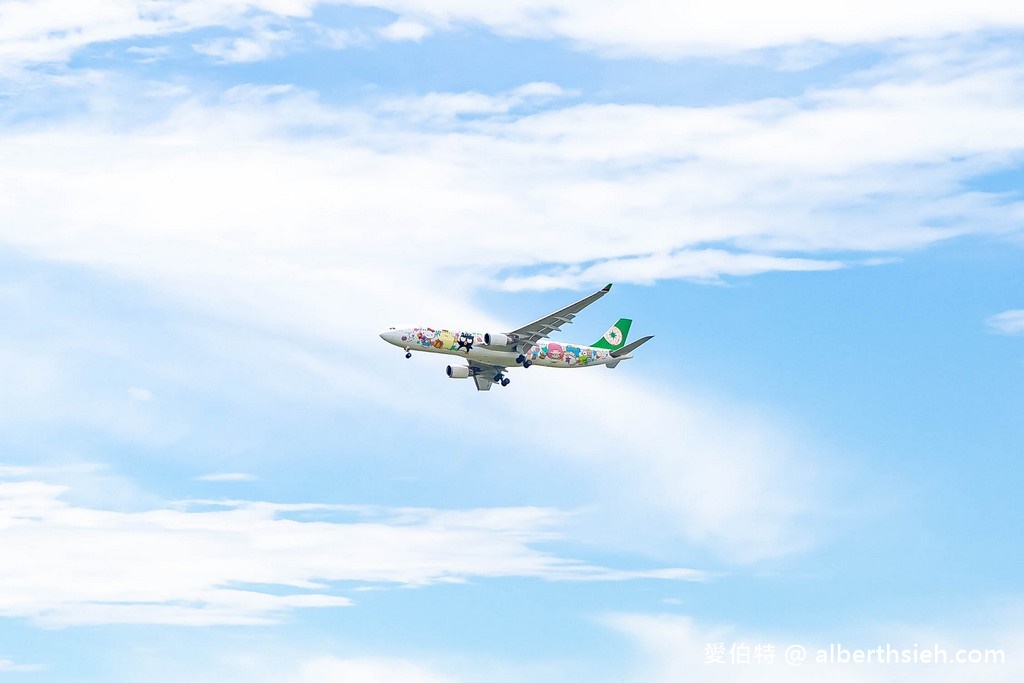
(213,469)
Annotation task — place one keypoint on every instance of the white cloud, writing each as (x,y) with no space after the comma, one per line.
(236,49)
(194,563)
(262,42)
(832,170)
(405,30)
(47,30)
(670,30)
(1007,322)
(51,30)
(447,107)
(846,169)
(148,55)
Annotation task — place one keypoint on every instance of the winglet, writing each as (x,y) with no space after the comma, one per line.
(607,288)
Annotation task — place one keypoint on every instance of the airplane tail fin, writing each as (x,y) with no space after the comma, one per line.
(615,337)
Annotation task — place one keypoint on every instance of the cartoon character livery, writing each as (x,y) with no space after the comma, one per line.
(489,355)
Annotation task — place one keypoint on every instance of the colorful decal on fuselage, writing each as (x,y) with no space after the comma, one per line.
(471,345)
(442,340)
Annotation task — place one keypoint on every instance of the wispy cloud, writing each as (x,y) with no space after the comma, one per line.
(405,30)
(708,265)
(148,55)
(53,30)
(449,107)
(671,30)
(196,563)
(256,46)
(1007,322)
(640,189)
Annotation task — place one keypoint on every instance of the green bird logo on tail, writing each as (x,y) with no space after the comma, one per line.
(615,337)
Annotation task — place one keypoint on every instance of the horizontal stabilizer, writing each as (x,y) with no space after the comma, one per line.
(630,348)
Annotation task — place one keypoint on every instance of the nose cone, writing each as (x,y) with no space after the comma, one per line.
(393,336)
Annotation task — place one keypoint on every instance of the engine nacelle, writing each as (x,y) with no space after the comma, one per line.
(499,339)
(458,371)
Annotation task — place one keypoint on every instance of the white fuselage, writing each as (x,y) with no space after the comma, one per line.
(470,345)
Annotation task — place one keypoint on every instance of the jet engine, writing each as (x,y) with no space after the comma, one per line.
(458,371)
(499,339)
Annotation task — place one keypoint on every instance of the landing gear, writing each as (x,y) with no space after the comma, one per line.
(408,354)
(521,359)
(527,363)
(505,382)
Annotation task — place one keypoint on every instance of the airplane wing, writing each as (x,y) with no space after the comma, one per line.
(532,333)
(484,374)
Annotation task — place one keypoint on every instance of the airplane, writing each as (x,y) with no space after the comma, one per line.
(489,355)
